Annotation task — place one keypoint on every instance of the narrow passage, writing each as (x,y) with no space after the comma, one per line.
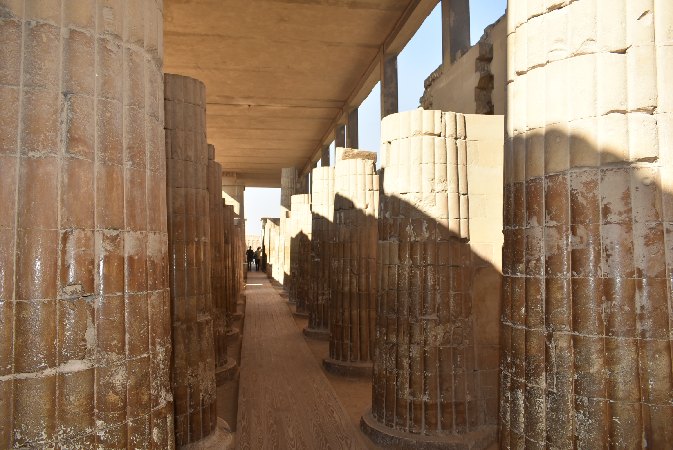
(285,401)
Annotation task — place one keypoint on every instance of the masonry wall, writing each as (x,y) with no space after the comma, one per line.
(476,82)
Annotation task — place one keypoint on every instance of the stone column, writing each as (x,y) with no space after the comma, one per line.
(322,199)
(436,356)
(300,235)
(455,29)
(587,304)
(324,156)
(84,313)
(352,129)
(288,188)
(389,85)
(192,311)
(219,266)
(340,136)
(353,263)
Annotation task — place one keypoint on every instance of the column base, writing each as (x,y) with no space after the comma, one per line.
(348,369)
(226,372)
(482,438)
(319,334)
(220,439)
(302,314)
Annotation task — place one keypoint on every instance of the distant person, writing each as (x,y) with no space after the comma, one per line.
(250,256)
(258,258)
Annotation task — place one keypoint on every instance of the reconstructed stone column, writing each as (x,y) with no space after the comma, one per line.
(300,250)
(219,266)
(84,312)
(193,378)
(587,261)
(322,199)
(271,237)
(436,356)
(352,307)
(288,188)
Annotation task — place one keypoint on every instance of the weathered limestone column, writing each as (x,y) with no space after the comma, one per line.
(436,356)
(271,237)
(288,188)
(300,250)
(588,179)
(192,310)
(352,307)
(84,313)
(322,199)
(224,365)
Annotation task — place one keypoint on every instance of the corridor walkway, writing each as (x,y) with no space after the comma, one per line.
(285,401)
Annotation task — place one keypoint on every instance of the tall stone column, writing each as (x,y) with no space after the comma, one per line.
(194,390)
(84,313)
(219,266)
(288,188)
(300,249)
(352,308)
(586,326)
(436,355)
(322,199)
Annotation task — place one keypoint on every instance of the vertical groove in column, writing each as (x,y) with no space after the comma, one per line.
(352,309)
(300,247)
(322,199)
(84,341)
(217,260)
(586,325)
(189,248)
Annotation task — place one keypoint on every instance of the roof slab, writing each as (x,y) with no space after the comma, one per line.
(281,74)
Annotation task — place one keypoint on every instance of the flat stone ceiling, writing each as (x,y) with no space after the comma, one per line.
(280,74)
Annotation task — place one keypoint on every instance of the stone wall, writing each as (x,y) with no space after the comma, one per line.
(476,82)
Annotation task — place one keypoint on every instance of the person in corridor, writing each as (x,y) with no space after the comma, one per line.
(250,255)
(258,257)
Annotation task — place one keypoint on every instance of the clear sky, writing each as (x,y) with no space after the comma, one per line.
(421,56)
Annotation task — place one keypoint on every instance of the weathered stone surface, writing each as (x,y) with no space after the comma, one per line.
(322,198)
(352,307)
(436,354)
(300,251)
(85,338)
(189,247)
(586,319)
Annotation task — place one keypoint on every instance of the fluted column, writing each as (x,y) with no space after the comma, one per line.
(300,248)
(192,311)
(435,361)
(84,313)
(587,304)
(322,200)
(352,308)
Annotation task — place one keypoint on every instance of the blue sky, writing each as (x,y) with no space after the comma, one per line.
(421,56)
